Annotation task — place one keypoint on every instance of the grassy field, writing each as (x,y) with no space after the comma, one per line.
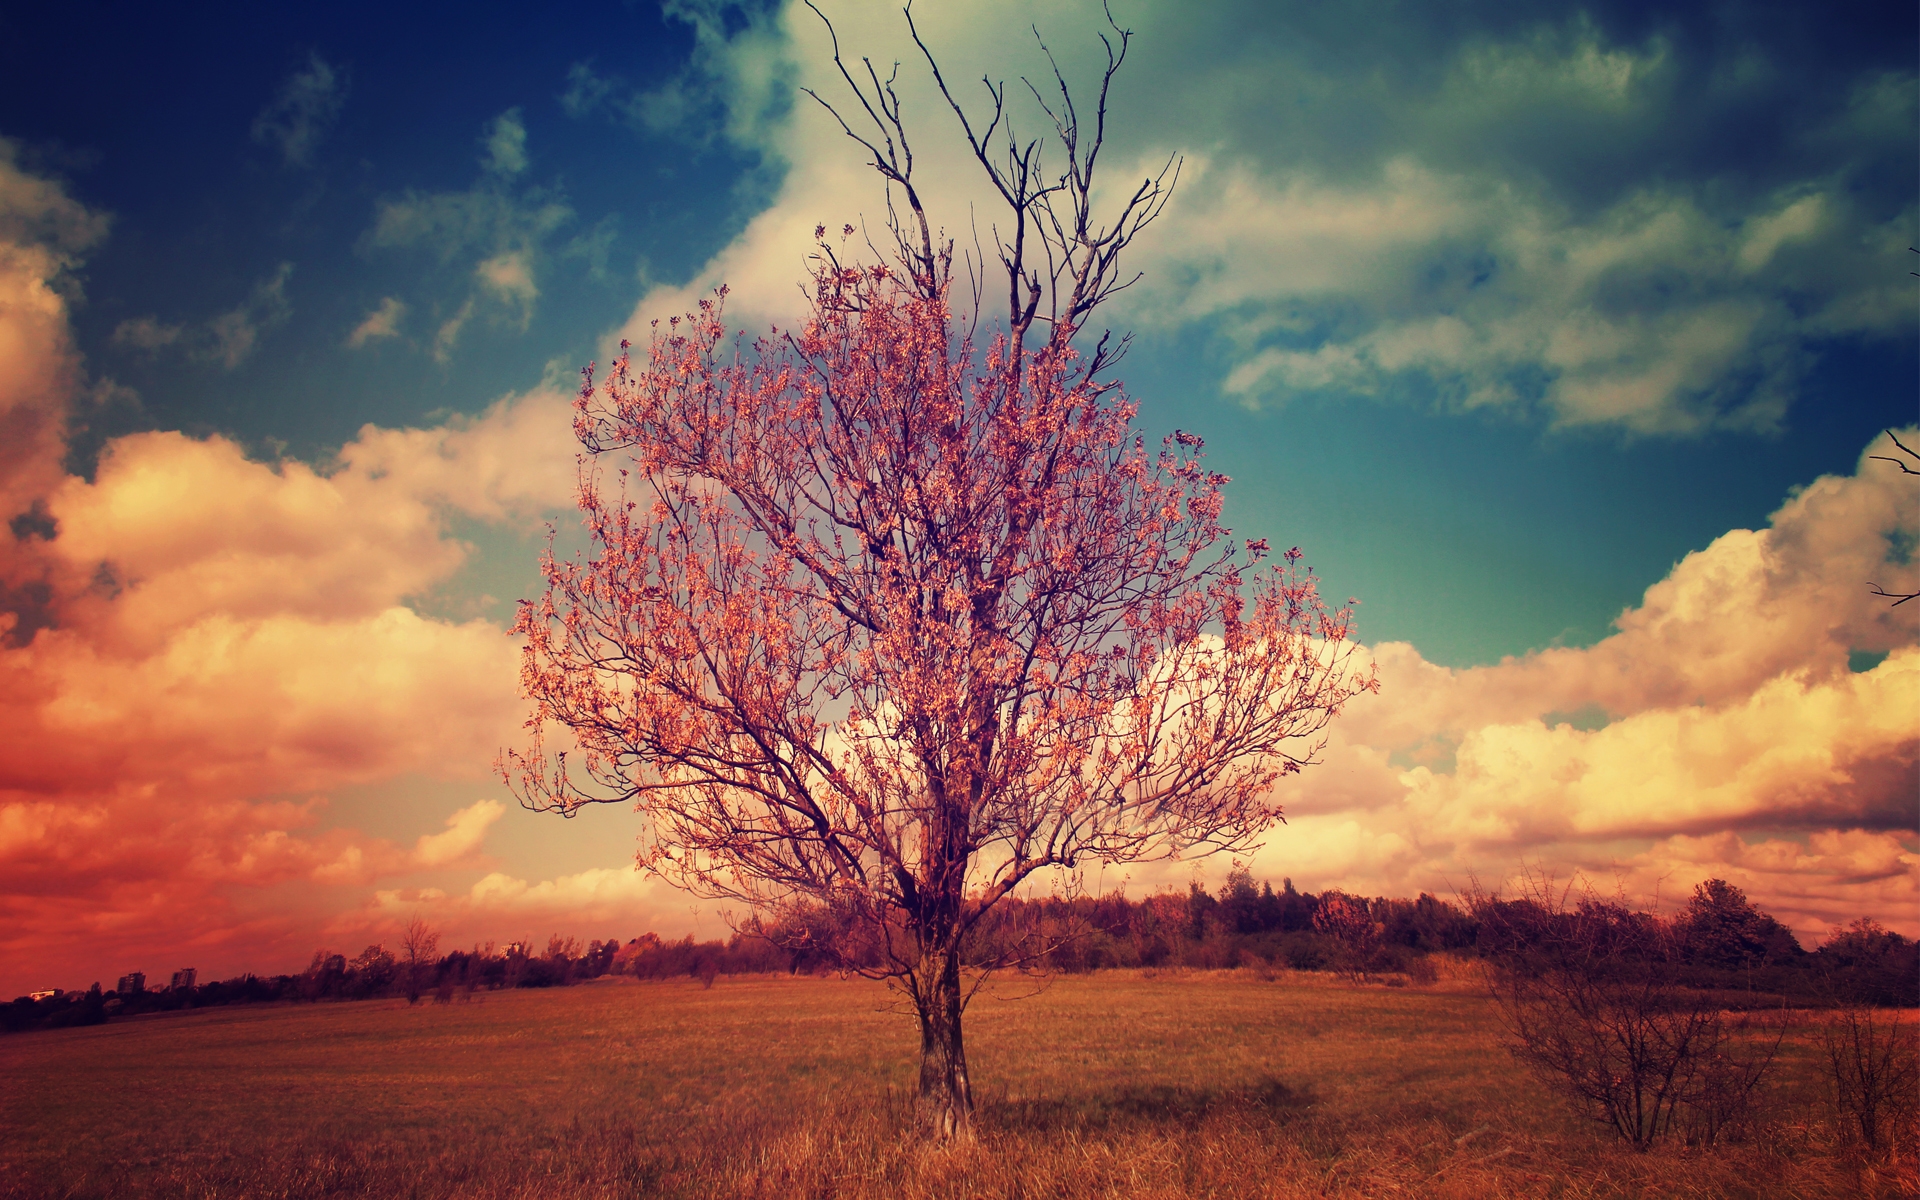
(1205,1084)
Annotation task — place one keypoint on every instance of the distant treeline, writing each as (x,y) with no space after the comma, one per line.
(1723,942)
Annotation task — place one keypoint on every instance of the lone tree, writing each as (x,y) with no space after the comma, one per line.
(419,943)
(884,619)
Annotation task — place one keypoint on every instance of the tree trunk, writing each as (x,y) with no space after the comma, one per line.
(946,1093)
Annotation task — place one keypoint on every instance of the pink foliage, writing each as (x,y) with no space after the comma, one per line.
(874,614)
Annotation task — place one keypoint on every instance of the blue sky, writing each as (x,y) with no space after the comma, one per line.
(1501,312)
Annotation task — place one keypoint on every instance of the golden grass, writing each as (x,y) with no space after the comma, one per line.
(1121,1083)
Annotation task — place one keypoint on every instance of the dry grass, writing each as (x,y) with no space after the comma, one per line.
(1204,1084)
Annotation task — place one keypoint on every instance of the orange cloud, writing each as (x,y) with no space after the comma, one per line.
(209,632)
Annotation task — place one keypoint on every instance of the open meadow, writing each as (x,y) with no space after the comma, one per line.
(1221,1084)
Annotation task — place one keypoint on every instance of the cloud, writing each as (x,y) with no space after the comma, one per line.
(495,235)
(226,632)
(735,84)
(586,904)
(1656,314)
(200,647)
(585,90)
(380,324)
(303,111)
(146,333)
(465,831)
(445,338)
(228,339)
(1534,213)
(509,279)
(236,332)
(506,144)
(43,235)
(1725,732)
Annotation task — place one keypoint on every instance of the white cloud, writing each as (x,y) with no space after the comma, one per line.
(509,279)
(1447,243)
(1733,739)
(466,829)
(383,322)
(1646,315)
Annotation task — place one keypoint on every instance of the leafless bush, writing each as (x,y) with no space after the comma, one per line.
(1593,996)
(1351,929)
(1873,1073)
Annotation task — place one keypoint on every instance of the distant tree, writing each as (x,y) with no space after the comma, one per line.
(419,943)
(1873,1056)
(1866,963)
(1722,929)
(324,976)
(93,1007)
(891,620)
(374,969)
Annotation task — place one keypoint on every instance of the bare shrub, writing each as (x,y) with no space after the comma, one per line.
(1593,996)
(1873,1073)
(1351,929)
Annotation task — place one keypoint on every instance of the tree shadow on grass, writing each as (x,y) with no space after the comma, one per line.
(1161,1104)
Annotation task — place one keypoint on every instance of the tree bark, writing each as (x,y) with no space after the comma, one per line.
(946,1092)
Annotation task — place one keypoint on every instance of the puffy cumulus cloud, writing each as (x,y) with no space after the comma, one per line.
(43,234)
(466,829)
(206,635)
(1536,210)
(174,530)
(1797,753)
(1723,730)
(513,463)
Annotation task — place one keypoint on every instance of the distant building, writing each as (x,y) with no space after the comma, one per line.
(183,978)
(48,994)
(132,982)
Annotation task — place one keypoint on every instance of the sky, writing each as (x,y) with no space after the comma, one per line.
(1560,337)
